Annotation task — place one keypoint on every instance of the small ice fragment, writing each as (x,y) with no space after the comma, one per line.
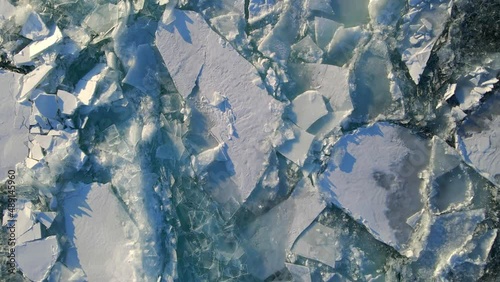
(46,218)
(67,102)
(306,50)
(201,161)
(297,149)
(307,108)
(85,88)
(299,273)
(34,28)
(34,233)
(103,18)
(324,31)
(47,105)
(319,242)
(36,258)
(36,152)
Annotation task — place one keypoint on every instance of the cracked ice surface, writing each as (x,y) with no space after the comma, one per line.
(260,140)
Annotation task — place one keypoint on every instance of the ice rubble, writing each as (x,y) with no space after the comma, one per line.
(422,25)
(197,56)
(98,225)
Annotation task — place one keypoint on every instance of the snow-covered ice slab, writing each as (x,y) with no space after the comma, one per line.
(196,55)
(13,124)
(273,233)
(374,176)
(102,233)
(478,140)
(36,258)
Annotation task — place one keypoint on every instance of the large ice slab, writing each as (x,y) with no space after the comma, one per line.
(36,258)
(196,55)
(478,142)
(102,233)
(374,176)
(13,124)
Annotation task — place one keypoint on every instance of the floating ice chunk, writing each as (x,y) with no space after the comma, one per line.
(36,258)
(324,30)
(275,232)
(85,88)
(258,9)
(421,27)
(332,82)
(201,161)
(447,234)
(34,28)
(276,44)
(374,176)
(351,13)
(33,233)
(192,53)
(142,71)
(37,47)
(31,80)
(478,142)
(61,273)
(47,105)
(104,17)
(372,96)
(168,16)
(67,102)
(6,10)
(86,212)
(470,89)
(340,50)
(306,50)
(36,152)
(297,148)
(13,124)
(307,108)
(231,25)
(299,273)
(322,6)
(46,218)
(319,243)
(385,12)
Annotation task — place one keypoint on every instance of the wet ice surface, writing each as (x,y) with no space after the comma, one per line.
(163,140)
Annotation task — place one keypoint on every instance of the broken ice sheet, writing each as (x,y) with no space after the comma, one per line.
(192,52)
